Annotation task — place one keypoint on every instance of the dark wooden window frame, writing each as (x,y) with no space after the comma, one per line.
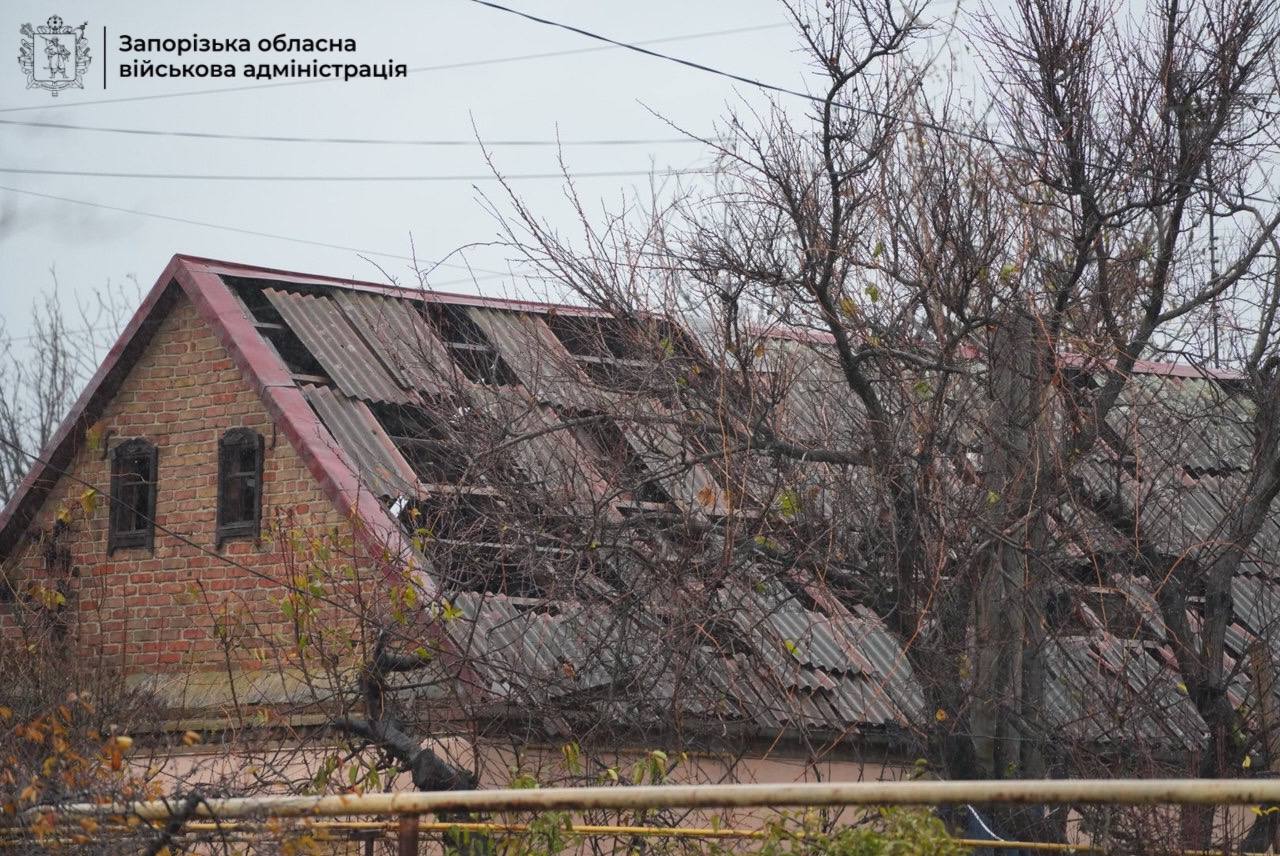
(229,444)
(124,460)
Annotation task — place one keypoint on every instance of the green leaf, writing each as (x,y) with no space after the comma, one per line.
(792,648)
(878,251)
(873,293)
(789,503)
(765,542)
(992,497)
(572,757)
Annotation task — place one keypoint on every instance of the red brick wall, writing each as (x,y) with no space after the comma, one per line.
(156,612)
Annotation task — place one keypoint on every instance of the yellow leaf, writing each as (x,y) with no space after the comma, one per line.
(940,715)
(6,713)
(93,437)
(191,738)
(89,501)
(1247,762)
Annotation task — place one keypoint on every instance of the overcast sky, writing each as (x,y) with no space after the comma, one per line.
(604,94)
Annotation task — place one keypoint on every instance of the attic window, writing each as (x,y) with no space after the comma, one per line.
(473,353)
(133,496)
(239,485)
(620,464)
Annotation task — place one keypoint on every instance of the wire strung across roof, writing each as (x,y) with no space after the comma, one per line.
(373,141)
(527,176)
(423,263)
(638,47)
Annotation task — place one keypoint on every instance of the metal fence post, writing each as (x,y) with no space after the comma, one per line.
(408,835)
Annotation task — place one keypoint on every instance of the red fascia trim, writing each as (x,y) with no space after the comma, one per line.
(222,268)
(291,412)
(1152,367)
(58,452)
(320,452)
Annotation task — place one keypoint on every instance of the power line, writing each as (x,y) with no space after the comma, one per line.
(368,141)
(797,93)
(417,70)
(491,274)
(178,176)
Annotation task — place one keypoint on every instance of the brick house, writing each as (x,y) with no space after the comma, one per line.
(238,397)
(238,394)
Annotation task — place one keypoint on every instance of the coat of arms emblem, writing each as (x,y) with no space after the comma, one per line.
(54,55)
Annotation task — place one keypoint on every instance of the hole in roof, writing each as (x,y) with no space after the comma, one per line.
(471,350)
(273,328)
(425,441)
(470,548)
(619,462)
(625,355)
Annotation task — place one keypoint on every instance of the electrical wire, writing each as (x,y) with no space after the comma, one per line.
(491,274)
(797,93)
(527,176)
(418,70)
(367,141)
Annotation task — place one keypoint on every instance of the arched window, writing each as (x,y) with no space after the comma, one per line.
(133,496)
(239,485)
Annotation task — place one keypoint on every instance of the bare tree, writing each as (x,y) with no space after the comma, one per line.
(996,391)
(985,294)
(44,367)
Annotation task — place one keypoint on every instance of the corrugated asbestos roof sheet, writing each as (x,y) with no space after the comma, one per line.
(774,659)
(531,349)
(336,345)
(374,458)
(407,344)
(794,671)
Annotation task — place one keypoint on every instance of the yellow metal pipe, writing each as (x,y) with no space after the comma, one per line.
(1077,791)
(241,826)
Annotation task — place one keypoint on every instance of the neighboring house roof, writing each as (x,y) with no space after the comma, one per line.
(329,356)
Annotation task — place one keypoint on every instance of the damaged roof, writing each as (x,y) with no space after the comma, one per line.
(368,382)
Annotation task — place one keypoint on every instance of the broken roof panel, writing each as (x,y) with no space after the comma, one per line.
(408,344)
(375,459)
(540,361)
(336,345)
